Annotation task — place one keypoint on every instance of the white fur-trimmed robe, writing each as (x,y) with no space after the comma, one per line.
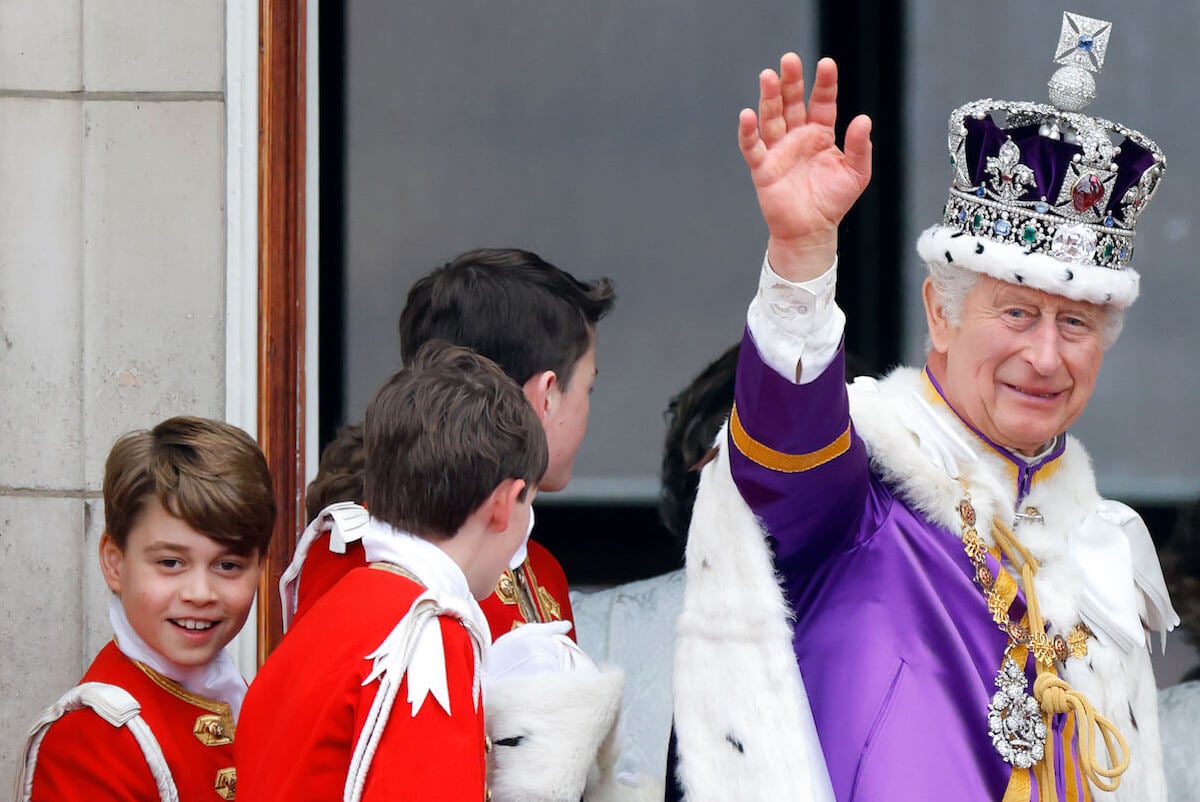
(736,680)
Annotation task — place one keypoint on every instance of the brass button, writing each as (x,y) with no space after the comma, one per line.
(226,783)
(212,730)
(487,743)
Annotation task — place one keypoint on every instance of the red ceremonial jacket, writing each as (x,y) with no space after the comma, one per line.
(546,591)
(83,758)
(535,592)
(306,708)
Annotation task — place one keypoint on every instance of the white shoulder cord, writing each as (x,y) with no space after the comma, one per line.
(343,522)
(116,706)
(410,645)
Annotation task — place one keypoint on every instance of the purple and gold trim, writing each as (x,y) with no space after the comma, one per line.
(769,458)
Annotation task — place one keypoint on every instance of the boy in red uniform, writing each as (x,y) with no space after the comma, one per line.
(538,323)
(376,692)
(188,509)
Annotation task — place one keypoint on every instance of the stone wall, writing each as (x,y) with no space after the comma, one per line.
(112,295)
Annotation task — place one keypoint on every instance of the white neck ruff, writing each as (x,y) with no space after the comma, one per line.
(217,679)
(433,568)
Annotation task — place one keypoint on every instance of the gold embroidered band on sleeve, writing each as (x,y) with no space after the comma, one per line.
(780,461)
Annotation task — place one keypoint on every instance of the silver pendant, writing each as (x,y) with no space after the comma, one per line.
(1015,718)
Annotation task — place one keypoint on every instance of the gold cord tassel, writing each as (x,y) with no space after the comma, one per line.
(1055,695)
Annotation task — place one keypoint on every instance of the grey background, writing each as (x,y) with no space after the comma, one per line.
(602,135)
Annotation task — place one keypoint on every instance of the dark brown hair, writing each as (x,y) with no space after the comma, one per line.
(340,473)
(441,435)
(210,474)
(694,417)
(512,306)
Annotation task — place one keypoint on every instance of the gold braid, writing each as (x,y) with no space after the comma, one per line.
(1055,695)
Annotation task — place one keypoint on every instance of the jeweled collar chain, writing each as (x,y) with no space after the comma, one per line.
(1018,723)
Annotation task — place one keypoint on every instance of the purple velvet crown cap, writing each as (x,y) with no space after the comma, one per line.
(1050,161)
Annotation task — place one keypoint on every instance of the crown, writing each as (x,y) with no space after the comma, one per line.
(1050,183)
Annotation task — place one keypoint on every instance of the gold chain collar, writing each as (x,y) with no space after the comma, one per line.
(1046,650)
(1052,694)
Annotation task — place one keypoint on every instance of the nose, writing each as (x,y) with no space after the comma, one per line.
(1042,349)
(198,588)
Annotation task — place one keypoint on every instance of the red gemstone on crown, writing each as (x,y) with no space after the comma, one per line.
(1087,192)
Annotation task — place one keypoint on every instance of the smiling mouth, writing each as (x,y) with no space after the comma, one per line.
(192,624)
(1035,393)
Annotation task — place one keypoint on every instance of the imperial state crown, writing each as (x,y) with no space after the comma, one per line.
(1044,194)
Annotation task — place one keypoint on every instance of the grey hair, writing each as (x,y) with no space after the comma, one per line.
(952,283)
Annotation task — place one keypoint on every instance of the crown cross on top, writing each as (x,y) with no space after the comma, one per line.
(1082,42)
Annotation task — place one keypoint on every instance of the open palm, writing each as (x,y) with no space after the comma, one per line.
(804,182)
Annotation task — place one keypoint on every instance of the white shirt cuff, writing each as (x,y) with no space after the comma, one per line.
(797,326)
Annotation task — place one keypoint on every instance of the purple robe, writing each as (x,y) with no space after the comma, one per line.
(892,635)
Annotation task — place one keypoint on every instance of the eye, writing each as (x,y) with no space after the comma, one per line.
(1019,317)
(230,566)
(169,563)
(1078,324)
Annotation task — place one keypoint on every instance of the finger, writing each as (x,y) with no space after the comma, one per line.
(858,146)
(771,125)
(822,106)
(791,77)
(749,142)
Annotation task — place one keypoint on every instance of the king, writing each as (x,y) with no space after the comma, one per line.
(910,588)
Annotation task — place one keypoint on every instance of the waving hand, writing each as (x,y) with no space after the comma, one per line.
(804,182)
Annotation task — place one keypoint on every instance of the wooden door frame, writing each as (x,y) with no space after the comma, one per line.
(282,117)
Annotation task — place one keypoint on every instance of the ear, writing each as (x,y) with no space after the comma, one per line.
(541,389)
(501,502)
(111,559)
(939,327)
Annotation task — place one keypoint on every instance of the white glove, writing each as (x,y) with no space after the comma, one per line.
(537,649)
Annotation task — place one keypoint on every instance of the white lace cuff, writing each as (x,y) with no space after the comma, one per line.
(797,326)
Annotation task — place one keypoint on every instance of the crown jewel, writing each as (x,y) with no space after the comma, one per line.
(1051,180)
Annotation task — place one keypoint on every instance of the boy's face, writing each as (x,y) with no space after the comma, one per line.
(567,419)
(185,594)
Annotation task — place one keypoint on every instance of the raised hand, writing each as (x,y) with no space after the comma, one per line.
(805,184)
